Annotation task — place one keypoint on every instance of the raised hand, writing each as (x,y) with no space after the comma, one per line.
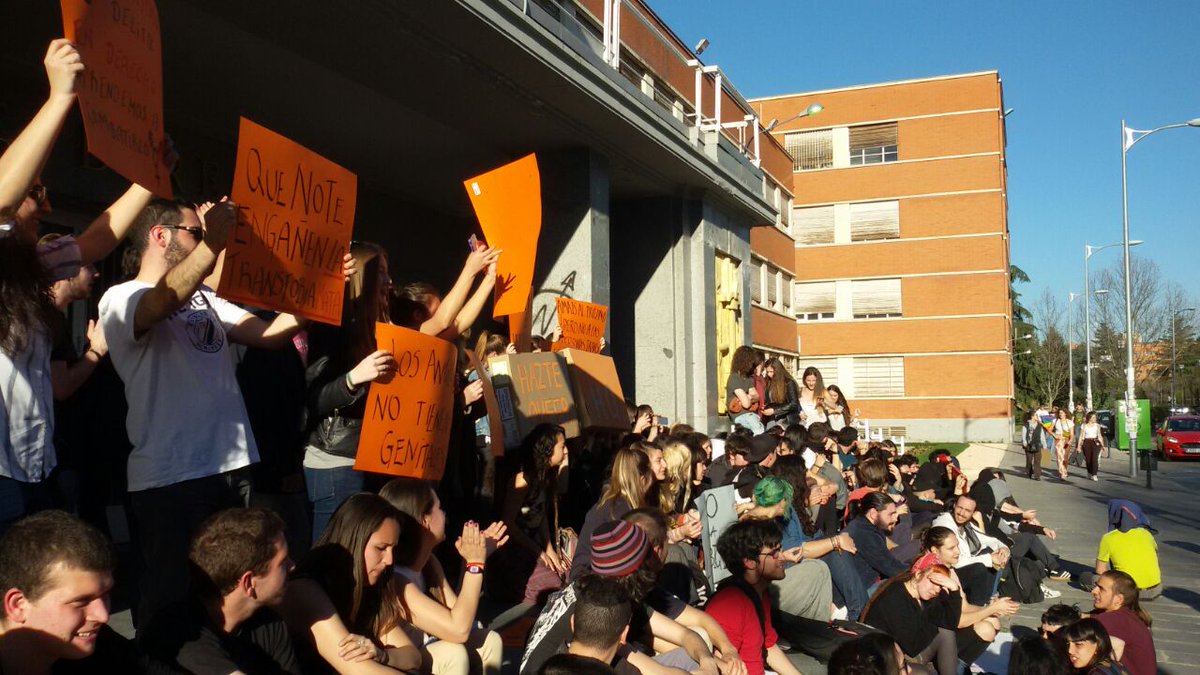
(218,220)
(63,65)
(472,545)
(376,366)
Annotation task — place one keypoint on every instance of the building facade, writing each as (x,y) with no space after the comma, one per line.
(899,265)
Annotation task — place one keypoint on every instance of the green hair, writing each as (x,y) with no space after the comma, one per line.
(771,490)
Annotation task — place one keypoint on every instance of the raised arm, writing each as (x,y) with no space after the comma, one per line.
(110,227)
(470,311)
(452,303)
(22,162)
(178,285)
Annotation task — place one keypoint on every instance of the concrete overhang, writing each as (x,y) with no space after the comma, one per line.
(417,96)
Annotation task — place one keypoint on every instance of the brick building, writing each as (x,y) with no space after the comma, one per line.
(896,253)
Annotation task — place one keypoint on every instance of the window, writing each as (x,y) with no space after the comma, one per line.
(810,149)
(875,299)
(815,301)
(874,220)
(878,376)
(813,225)
(772,286)
(756,276)
(873,144)
(828,368)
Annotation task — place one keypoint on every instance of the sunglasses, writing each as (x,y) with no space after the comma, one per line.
(38,193)
(196,232)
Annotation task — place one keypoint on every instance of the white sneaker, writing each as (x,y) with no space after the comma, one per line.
(1050,593)
(840,614)
(1096,478)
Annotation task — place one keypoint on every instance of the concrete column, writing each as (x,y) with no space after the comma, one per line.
(573,248)
(664,252)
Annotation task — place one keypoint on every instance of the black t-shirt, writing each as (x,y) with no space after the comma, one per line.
(113,654)
(182,639)
(913,625)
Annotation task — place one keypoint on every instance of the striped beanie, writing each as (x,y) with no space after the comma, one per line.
(618,548)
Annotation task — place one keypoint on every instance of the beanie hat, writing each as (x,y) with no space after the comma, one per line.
(618,548)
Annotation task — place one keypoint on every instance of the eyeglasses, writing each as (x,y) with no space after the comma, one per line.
(772,553)
(196,232)
(38,193)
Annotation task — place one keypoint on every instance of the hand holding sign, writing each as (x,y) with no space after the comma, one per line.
(407,422)
(63,66)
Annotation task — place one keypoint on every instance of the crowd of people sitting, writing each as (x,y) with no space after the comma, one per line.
(241,461)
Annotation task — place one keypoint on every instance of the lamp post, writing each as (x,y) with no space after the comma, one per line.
(809,111)
(1174,403)
(1129,138)
(1070,353)
(1088,251)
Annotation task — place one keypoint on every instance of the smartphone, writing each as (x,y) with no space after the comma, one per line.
(473,243)
(662,421)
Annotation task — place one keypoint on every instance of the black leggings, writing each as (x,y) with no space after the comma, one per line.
(942,652)
(1091,454)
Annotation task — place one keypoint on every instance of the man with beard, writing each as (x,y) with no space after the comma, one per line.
(981,555)
(168,336)
(876,520)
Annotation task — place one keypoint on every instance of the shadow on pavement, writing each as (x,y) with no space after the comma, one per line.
(1185,545)
(1183,596)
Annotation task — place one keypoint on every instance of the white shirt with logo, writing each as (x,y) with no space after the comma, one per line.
(186,418)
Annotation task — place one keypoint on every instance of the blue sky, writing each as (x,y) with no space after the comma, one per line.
(1071,71)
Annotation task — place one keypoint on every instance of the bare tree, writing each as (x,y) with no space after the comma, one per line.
(1050,354)
(1151,320)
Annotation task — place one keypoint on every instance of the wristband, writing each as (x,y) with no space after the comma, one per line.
(475,568)
(350,385)
(99,356)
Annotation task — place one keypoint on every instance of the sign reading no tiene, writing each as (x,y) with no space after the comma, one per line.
(407,422)
(120,89)
(286,251)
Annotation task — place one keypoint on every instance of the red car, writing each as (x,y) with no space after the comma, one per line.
(1179,436)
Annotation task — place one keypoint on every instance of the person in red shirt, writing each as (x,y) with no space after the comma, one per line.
(1116,598)
(751,550)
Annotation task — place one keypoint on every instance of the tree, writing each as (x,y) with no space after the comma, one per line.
(1025,376)
(1150,320)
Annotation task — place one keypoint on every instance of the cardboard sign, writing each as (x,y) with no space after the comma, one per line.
(407,423)
(582,324)
(532,389)
(597,390)
(120,89)
(286,252)
(492,404)
(718,510)
(508,204)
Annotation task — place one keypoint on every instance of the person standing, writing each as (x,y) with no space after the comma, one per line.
(1032,436)
(1062,429)
(812,397)
(1091,442)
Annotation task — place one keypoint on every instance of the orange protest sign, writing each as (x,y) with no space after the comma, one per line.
(120,89)
(286,252)
(508,204)
(597,390)
(407,422)
(532,389)
(582,324)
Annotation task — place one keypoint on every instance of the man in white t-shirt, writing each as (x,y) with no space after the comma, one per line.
(168,336)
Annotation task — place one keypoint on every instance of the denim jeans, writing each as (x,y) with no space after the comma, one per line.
(19,499)
(751,421)
(847,583)
(327,489)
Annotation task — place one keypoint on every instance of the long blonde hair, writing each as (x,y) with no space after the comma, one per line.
(630,475)
(678,457)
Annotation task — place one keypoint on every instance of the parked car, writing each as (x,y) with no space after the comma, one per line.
(1108,425)
(1179,436)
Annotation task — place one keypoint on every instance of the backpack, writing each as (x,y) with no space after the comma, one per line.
(1021,580)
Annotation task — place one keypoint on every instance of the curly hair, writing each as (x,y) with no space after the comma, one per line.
(677,489)
(745,360)
(535,452)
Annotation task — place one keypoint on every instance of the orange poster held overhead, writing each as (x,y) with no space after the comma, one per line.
(120,89)
(582,324)
(508,204)
(408,419)
(286,251)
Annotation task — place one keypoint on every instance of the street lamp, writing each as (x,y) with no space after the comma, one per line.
(1129,138)
(809,111)
(1088,251)
(1174,314)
